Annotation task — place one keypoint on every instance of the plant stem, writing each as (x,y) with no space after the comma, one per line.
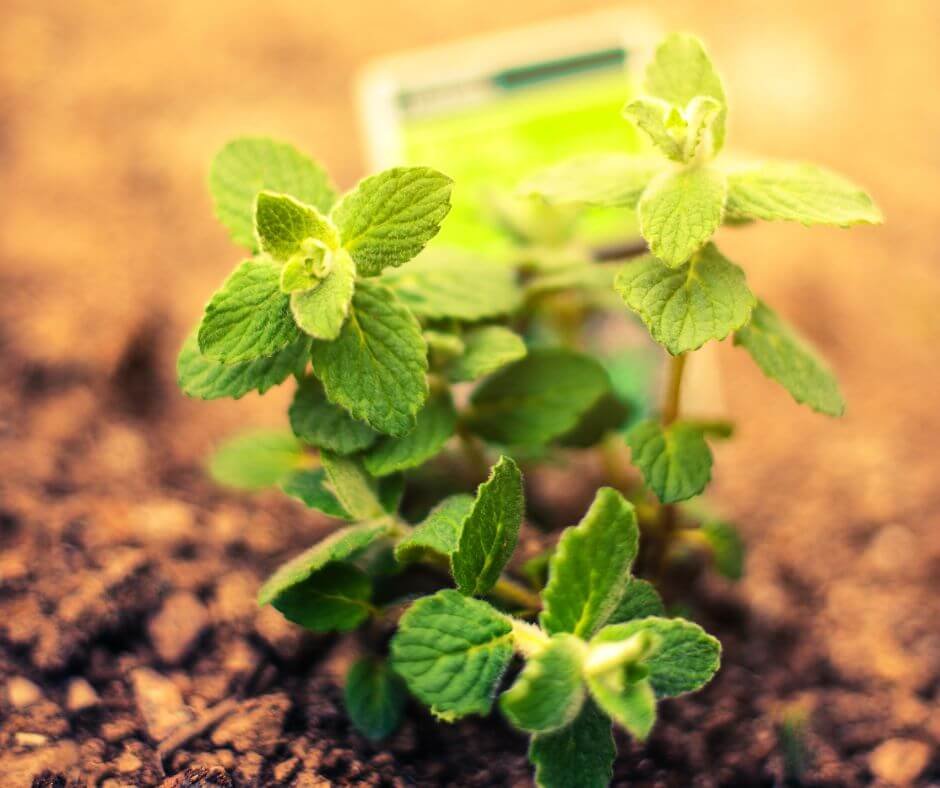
(670,410)
(516,594)
(473,453)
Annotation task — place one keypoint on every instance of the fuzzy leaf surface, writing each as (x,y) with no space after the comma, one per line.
(657,118)
(255,460)
(486,349)
(282,223)
(785,356)
(632,705)
(538,398)
(796,192)
(580,754)
(309,486)
(333,599)
(318,422)
(355,489)
(590,569)
(374,698)
(549,691)
(439,532)
(389,217)
(680,211)
(451,651)
(641,599)
(321,311)
(489,533)
(675,461)
(616,179)
(685,307)
(376,367)
(249,165)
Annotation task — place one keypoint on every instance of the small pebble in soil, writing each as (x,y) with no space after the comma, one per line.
(899,761)
(22,693)
(177,627)
(80,695)
(160,703)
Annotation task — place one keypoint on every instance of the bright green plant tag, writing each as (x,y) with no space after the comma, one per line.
(318,422)
(580,754)
(641,599)
(434,427)
(783,355)
(486,349)
(590,569)
(388,218)
(538,398)
(727,548)
(796,192)
(309,486)
(376,367)
(248,317)
(255,460)
(283,224)
(707,298)
(321,310)
(549,691)
(675,461)
(334,599)
(249,165)
(439,532)
(489,533)
(205,378)
(355,489)
(451,651)
(612,179)
(680,210)
(374,698)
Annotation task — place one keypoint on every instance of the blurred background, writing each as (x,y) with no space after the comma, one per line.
(110,114)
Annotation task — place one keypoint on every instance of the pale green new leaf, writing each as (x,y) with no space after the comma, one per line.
(675,461)
(255,460)
(580,755)
(590,569)
(389,217)
(354,488)
(797,192)
(680,71)
(204,378)
(438,533)
(451,651)
(641,599)
(549,692)
(435,425)
(309,486)
(707,298)
(680,211)
(486,349)
(685,659)
(615,179)
(727,548)
(342,545)
(374,697)
(249,165)
(489,533)
(631,705)
(322,310)
(658,118)
(376,367)
(785,356)
(538,398)
(283,223)
(334,599)
(318,422)
(448,283)
(248,317)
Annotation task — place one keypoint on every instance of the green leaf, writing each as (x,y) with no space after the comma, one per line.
(632,705)
(249,165)
(590,569)
(707,298)
(549,692)
(797,192)
(538,398)
(309,486)
(661,121)
(283,224)
(451,651)
(374,698)
(487,349)
(727,548)
(335,599)
(448,283)
(595,179)
(675,461)
(443,345)
(255,460)
(684,660)
(341,545)
(389,217)
(321,310)
(354,488)
(435,424)
(438,533)
(641,599)
(785,356)
(489,533)
(204,378)
(248,317)
(318,422)
(680,211)
(376,367)
(606,415)
(680,71)
(580,755)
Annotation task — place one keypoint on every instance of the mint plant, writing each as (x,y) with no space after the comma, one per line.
(414,370)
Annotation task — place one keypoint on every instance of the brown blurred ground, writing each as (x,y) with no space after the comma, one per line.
(109,113)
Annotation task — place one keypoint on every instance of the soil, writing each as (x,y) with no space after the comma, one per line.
(131,650)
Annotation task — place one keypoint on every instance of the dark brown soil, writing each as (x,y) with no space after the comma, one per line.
(131,651)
